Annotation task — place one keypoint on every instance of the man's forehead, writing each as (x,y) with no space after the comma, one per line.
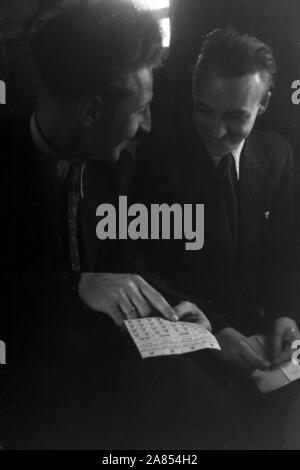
(214,89)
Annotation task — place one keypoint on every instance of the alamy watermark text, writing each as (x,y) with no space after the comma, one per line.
(2,92)
(159,222)
(2,352)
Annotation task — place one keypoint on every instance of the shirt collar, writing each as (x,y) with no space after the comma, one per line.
(46,149)
(236,153)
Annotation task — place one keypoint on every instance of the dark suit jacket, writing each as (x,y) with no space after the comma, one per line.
(244,285)
(34,205)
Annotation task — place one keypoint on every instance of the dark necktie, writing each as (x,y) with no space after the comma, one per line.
(227,176)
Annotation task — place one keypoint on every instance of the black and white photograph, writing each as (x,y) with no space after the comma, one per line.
(150,227)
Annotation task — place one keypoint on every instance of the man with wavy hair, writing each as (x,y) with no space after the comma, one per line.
(95,63)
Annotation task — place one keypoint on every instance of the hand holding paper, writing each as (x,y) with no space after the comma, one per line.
(268,381)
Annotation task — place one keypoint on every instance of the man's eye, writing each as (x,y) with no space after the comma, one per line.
(204,111)
(238,118)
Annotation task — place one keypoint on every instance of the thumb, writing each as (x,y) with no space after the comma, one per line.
(277,344)
(187,311)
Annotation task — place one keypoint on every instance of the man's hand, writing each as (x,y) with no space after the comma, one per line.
(285,331)
(188,311)
(123,296)
(237,351)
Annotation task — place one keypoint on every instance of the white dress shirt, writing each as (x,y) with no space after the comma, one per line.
(236,153)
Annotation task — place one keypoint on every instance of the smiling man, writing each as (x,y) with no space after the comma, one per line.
(245,180)
(233,79)
(226,108)
(95,64)
(95,67)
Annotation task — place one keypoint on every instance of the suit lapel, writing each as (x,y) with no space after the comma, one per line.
(254,190)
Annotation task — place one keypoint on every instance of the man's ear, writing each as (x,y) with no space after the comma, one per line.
(91,109)
(264,103)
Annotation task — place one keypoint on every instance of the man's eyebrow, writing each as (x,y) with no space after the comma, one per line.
(239,112)
(203,105)
(235,112)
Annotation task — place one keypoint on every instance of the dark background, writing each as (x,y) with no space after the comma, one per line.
(277,22)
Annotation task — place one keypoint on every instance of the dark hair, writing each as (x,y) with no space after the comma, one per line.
(233,55)
(90,48)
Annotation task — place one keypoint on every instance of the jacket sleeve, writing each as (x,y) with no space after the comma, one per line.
(283,275)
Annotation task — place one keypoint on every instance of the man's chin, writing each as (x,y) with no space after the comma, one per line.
(115,157)
(107,156)
(217,150)
(116,153)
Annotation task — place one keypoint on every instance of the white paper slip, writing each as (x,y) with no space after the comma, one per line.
(159,337)
(270,380)
(291,371)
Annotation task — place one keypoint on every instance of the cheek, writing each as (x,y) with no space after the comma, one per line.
(129,128)
(96,136)
(201,123)
(240,130)
(133,126)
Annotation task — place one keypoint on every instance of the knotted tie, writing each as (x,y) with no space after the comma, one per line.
(228,182)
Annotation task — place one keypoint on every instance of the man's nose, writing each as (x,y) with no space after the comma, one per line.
(146,123)
(219,129)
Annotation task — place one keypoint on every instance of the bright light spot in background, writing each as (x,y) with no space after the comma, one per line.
(166,28)
(153,4)
(164,22)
